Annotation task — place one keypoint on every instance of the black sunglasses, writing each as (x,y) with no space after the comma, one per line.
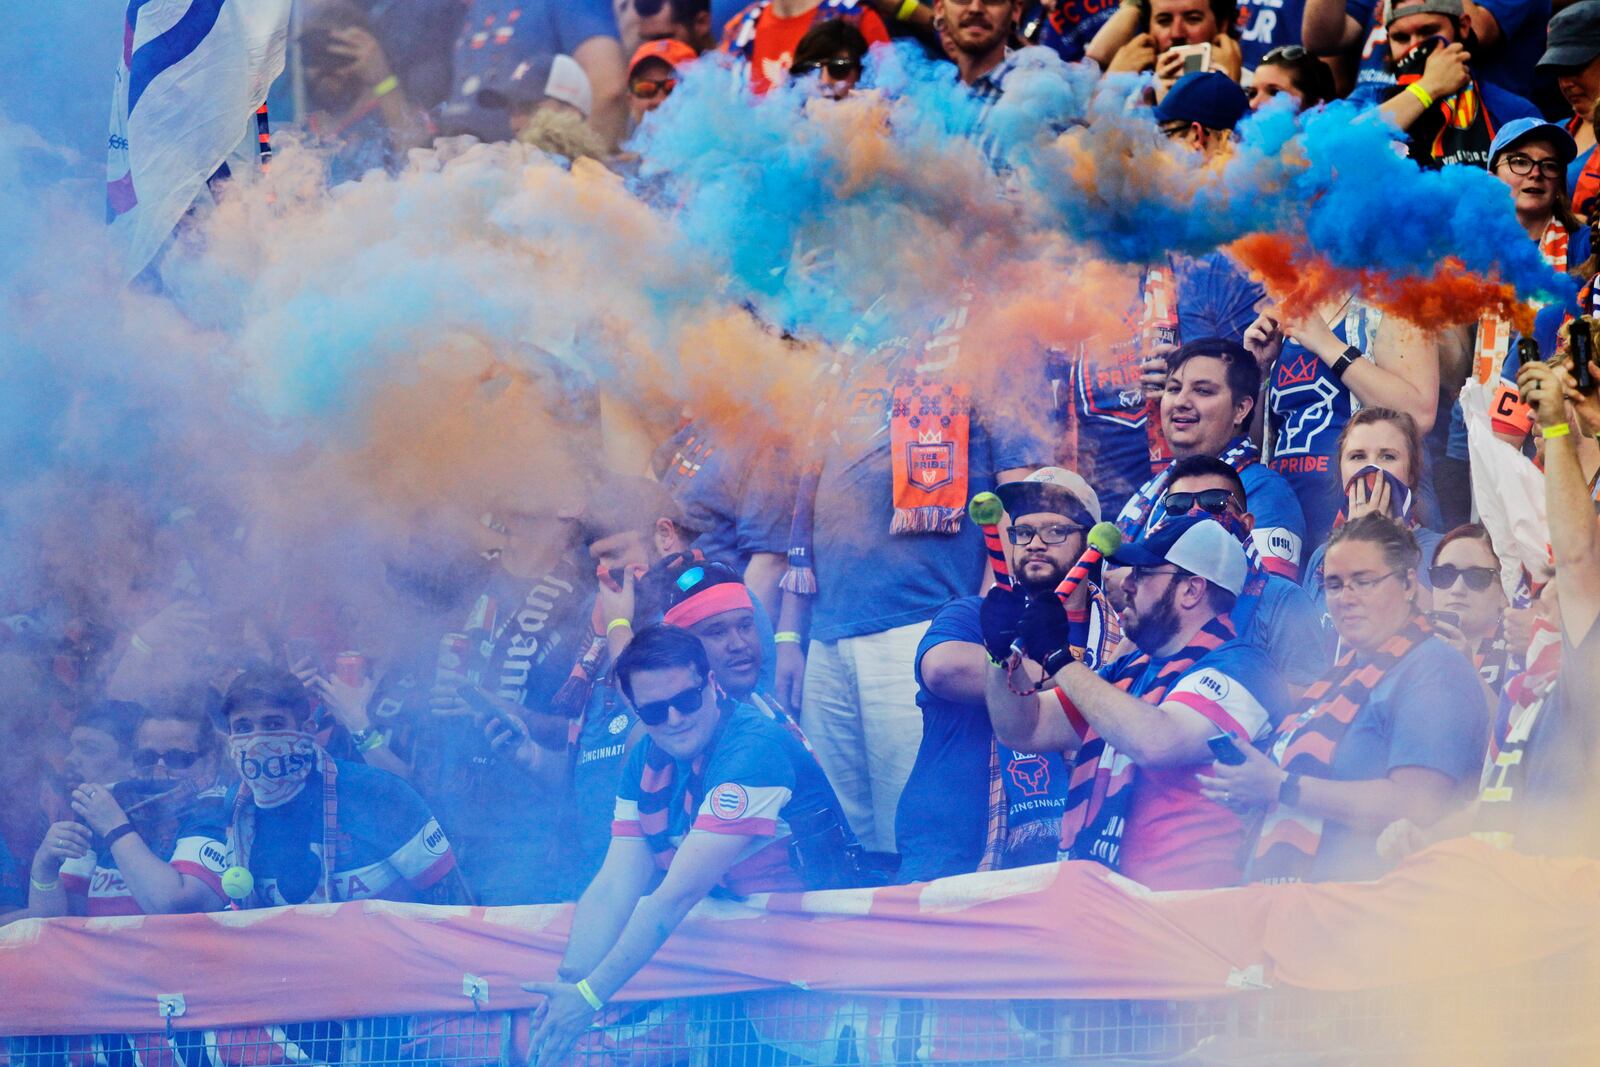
(176,759)
(837,69)
(655,712)
(1289,53)
(1444,575)
(1215,501)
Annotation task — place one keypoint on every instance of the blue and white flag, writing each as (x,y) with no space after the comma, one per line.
(192,75)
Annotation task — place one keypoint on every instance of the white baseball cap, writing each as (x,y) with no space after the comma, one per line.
(1197,543)
(1050,489)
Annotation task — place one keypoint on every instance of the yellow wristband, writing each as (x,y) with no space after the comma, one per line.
(588,994)
(786,637)
(616,624)
(1560,429)
(907,9)
(45,887)
(385,87)
(374,739)
(1416,90)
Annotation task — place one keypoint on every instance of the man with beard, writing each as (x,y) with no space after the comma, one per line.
(1139,729)
(978,35)
(940,826)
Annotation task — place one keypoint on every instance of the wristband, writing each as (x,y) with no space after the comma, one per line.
(44,887)
(588,994)
(616,624)
(385,87)
(786,637)
(1560,429)
(907,9)
(118,834)
(1416,90)
(1346,360)
(367,740)
(140,644)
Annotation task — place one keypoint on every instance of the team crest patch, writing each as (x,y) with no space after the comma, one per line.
(617,724)
(729,801)
(932,464)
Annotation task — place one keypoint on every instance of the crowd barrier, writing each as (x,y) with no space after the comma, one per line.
(1464,955)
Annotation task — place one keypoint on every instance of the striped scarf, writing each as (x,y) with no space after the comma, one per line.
(658,783)
(243,831)
(1100,793)
(1523,698)
(1306,745)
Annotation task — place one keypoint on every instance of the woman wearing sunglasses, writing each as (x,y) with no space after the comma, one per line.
(152,845)
(1470,605)
(832,51)
(1397,728)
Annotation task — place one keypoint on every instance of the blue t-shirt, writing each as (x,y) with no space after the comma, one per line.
(1428,711)
(736,496)
(1215,299)
(1268,24)
(1522,24)
(13,887)
(1283,621)
(1072,25)
(868,580)
(598,759)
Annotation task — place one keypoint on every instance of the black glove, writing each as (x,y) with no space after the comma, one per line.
(1045,633)
(998,615)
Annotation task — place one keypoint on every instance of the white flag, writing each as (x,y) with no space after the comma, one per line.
(193,73)
(1509,492)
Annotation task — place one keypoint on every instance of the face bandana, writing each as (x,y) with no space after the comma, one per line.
(1399,493)
(274,764)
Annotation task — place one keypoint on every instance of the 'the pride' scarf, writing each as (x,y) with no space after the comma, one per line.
(1306,745)
(928,435)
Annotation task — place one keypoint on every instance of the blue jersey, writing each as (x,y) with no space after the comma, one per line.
(1072,24)
(737,496)
(1268,24)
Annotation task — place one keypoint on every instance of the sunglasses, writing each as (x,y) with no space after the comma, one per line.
(1054,534)
(838,69)
(1444,575)
(176,759)
(1289,53)
(689,701)
(1215,501)
(649,89)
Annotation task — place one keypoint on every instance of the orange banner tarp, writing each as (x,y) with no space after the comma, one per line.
(1057,931)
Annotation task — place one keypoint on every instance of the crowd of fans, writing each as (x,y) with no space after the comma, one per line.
(766,669)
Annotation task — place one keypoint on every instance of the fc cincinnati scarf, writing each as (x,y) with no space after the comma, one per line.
(1136,515)
(243,824)
(1100,786)
(928,433)
(1521,701)
(1158,326)
(1456,129)
(1306,745)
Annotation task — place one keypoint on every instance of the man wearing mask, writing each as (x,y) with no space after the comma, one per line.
(1447,112)
(1138,729)
(313,829)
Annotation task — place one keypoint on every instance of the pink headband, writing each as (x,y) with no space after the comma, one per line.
(726,596)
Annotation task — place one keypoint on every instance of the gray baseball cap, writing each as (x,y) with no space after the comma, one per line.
(1574,36)
(1399,9)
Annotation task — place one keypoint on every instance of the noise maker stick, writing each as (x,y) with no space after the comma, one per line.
(986,510)
(1104,540)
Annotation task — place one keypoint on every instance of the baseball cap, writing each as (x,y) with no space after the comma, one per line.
(1399,9)
(1051,489)
(543,77)
(1517,131)
(491,79)
(1198,544)
(1573,36)
(1208,97)
(672,52)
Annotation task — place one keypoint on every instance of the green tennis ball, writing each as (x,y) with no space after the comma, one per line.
(986,509)
(238,883)
(1105,538)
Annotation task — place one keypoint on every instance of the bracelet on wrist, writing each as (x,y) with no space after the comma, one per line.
(786,637)
(617,624)
(385,87)
(1422,95)
(118,834)
(589,994)
(907,9)
(44,887)
(369,739)
(1560,429)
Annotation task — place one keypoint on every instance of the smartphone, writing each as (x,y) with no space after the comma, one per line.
(1527,351)
(1225,749)
(479,701)
(1196,57)
(1449,618)
(1580,345)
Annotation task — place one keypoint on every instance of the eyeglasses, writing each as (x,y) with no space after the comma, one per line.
(1140,574)
(650,88)
(838,69)
(176,759)
(1054,534)
(1361,585)
(1215,501)
(654,712)
(1289,53)
(1522,166)
(1444,575)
